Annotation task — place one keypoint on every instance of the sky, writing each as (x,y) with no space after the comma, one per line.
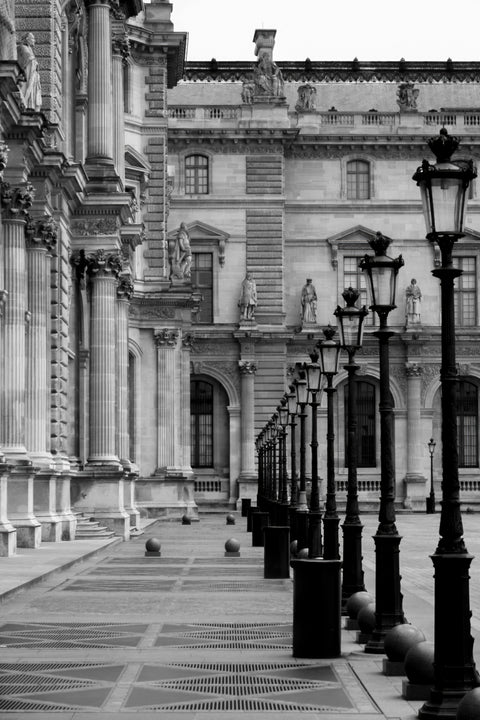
(332,29)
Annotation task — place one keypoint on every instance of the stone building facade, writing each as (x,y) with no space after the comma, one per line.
(159,220)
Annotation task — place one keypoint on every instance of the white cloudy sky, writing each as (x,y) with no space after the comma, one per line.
(332,29)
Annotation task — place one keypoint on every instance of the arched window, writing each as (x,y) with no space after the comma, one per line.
(196,175)
(358,180)
(366,440)
(467,424)
(201,424)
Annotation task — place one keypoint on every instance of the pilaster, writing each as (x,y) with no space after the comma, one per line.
(247,370)
(415,481)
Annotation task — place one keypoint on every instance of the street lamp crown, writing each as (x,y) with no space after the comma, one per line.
(350,295)
(443,145)
(379,244)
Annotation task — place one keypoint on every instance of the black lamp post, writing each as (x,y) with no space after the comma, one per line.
(329,360)
(292,414)
(261,479)
(314,375)
(274,439)
(382,274)
(430,500)
(443,188)
(282,514)
(350,319)
(302,509)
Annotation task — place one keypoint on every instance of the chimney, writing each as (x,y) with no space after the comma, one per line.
(264,41)
(157,13)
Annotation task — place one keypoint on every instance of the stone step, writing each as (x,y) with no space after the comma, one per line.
(87,529)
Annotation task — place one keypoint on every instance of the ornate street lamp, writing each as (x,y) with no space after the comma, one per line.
(314,376)
(261,478)
(302,509)
(282,507)
(292,414)
(274,458)
(329,361)
(430,500)
(382,271)
(350,324)
(443,188)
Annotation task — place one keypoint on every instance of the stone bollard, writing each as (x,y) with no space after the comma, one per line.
(152,547)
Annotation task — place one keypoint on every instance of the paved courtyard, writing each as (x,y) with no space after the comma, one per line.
(192,634)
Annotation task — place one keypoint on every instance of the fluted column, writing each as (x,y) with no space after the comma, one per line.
(100,105)
(15,204)
(41,237)
(247,395)
(168,399)
(415,488)
(103,269)
(119,55)
(187,342)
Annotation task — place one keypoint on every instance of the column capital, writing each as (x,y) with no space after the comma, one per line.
(413,370)
(102,263)
(15,202)
(188,341)
(247,367)
(4,150)
(167,337)
(41,232)
(125,287)
(120,43)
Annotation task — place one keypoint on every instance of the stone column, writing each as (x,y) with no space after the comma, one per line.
(103,270)
(415,481)
(41,237)
(124,293)
(247,422)
(119,55)
(184,430)
(168,399)
(100,105)
(99,489)
(234,415)
(15,204)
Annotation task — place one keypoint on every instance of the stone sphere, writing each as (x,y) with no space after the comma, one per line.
(293,548)
(356,602)
(186,520)
(230,520)
(366,618)
(302,554)
(418,663)
(469,706)
(399,639)
(153,545)
(232,545)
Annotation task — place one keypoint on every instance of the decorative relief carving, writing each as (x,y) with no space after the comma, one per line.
(167,337)
(413,370)
(407,96)
(102,263)
(397,372)
(188,341)
(41,232)
(430,373)
(17,201)
(228,369)
(306,98)
(125,287)
(3,301)
(120,43)
(78,42)
(151,312)
(95,226)
(4,150)
(247,367)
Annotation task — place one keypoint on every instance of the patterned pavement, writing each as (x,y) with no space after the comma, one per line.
(195,634)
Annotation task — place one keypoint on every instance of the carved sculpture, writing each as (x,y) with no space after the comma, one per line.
(7,31)
(180,254)
(306,98)
(309,303)
(267,77)
(248,298)
(413,299)
(30,89)
(407,96)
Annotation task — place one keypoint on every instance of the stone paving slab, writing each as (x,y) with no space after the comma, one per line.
(215,643)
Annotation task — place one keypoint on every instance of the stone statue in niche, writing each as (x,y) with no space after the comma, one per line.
(248,298)
(78,41)
(309,303)
(7,31)
(30,89)
(306,98)
(180,254)
(413,299)
(407,95)
(267,77)
(248,91)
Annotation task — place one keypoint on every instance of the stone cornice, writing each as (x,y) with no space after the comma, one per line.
(146,45)
(248,141)
(341,71)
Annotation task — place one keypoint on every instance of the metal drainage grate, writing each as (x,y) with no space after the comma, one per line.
(243,704)
(26,706)
(121,571)
(233,586)
(252,571)
(120,585)
(142,560)
(62,635)
(228,561)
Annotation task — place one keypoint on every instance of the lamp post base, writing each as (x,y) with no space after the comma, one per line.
(430,504)
(330,538)
(314,534)
(388,596)
(454,666)
(301,524)
(353,577)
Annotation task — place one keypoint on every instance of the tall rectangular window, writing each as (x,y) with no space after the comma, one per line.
(201,424)
(467,430)
(202,280)
(358,180)
(355,278)
(466,291)
(196,175)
